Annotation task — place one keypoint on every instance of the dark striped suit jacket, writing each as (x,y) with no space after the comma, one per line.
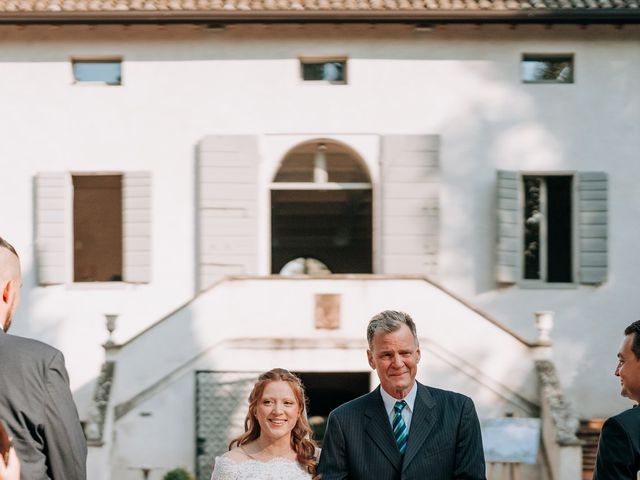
(444,440)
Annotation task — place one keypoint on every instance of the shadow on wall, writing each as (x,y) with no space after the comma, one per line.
(521,128)
(496,112)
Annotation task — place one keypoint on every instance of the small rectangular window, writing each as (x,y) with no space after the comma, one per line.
(548,228)
(546,68)
(105,71)
(324,70)
(97,228)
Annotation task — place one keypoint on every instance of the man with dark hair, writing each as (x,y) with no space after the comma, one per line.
(403,429)
(35,400)
(619,446)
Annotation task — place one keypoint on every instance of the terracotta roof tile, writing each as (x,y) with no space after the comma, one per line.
(274,9)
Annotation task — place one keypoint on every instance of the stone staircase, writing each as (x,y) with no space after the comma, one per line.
(589,433)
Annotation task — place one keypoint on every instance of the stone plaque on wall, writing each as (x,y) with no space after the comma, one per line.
(327,310)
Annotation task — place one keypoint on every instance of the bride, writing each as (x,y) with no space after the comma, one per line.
(276,443)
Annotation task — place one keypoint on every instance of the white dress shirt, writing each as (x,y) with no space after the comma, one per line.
(407,412)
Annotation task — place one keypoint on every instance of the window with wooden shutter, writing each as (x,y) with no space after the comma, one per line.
(93,227)
(552,228)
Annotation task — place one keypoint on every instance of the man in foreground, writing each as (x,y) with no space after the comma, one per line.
(35,400)
(619,445)
(403,429)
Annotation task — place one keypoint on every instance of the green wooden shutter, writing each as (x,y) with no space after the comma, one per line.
(592,227)
(410,220)
(52,226)
(227,180)
(136,227)
(509,229)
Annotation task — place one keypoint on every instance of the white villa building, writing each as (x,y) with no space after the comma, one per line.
(241,184)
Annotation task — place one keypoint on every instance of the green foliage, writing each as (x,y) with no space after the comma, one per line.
(178,474)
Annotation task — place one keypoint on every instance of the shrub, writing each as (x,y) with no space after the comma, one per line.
(178,474)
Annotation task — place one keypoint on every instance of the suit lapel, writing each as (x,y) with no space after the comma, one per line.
(379,429)
(422,422)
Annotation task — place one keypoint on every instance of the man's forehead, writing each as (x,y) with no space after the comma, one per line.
(625,346)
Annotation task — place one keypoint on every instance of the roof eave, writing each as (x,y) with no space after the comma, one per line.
(544,16)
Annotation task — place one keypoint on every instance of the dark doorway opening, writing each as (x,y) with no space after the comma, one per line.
(327,391)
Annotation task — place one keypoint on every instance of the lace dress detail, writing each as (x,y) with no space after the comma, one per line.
(274,469)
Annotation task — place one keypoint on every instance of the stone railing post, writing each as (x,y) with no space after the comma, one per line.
(99,424)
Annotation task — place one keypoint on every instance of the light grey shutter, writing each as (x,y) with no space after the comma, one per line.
(227,179)
(410,204)
(136,227)
(509,230)
(592,227)
(52,227)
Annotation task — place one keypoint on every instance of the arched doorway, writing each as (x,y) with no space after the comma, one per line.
(321,208)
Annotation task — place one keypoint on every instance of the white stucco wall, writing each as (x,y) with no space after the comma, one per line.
(462,83)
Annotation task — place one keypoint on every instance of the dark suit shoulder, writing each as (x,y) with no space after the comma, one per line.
(444,396)
(629,419)
(23,347)
(630,415)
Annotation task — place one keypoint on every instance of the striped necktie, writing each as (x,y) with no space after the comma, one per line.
(399,427)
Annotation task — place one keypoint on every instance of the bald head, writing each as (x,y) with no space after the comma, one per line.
(9,262)
(10,283)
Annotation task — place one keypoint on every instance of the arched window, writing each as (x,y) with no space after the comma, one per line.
(321,208)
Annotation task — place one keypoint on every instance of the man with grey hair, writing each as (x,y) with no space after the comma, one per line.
(35,400)
(403,429)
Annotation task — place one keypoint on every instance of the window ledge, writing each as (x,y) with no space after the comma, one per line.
(539,285)
(96,83)
(104,285)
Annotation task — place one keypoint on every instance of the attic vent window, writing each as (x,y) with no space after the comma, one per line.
(546,68)
(100,72)
(324,70)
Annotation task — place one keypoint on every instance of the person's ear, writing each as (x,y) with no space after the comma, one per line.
(370,359)
(7,292)
(418,355)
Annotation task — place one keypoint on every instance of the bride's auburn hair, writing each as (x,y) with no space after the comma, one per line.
(301,435)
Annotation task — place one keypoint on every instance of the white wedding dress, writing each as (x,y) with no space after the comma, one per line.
(275,469)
